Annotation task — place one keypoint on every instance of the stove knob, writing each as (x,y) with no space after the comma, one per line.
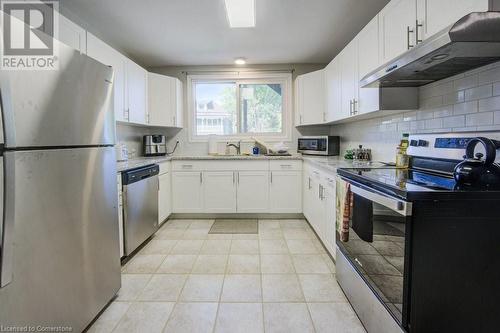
(413,143)
(401,205)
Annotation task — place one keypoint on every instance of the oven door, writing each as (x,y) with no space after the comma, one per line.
(376,246)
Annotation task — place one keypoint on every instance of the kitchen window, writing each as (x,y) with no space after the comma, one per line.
(240,106)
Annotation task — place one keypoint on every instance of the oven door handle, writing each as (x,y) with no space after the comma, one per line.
(399,206)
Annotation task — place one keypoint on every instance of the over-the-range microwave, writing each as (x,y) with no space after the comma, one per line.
(319,145)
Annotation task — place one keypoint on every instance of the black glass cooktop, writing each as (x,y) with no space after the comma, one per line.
(401,181)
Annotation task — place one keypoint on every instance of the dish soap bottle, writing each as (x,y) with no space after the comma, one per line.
(402,159)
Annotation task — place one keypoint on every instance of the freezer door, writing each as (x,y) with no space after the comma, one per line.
(65,250)
(71,106)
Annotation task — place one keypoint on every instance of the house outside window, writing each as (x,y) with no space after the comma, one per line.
(240,106)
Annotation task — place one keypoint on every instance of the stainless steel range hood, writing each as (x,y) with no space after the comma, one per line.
(472,42)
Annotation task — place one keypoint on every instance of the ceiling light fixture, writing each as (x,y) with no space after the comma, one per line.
(240,13)
(240,61)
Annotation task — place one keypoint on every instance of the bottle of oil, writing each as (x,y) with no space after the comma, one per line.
(402,159)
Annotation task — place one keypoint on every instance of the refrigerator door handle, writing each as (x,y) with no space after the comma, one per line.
(7,196)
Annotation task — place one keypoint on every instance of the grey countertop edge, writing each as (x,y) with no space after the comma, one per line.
(328,163)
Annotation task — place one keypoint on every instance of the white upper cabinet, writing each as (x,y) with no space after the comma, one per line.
(165,100)
(368,60)
(435,15)
(72,34)
(349,79)
(333,90)
(137,79)
(368,45)
(179,104)
(397,28)
(310,102)
(105,54)
(406,23)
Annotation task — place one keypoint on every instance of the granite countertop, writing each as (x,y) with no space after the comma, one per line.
(142,161)
(237,157)
(332,163)
(139,162)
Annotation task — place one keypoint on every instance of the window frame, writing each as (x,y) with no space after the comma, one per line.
(285,79)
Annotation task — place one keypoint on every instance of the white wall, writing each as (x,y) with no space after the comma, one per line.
(463,103)
(132,135)
(197,148)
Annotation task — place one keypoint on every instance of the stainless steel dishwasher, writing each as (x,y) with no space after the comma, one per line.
(140,192)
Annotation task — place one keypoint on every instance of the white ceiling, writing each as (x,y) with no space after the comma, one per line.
(196,32)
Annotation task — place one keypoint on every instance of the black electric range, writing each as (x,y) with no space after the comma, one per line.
(421,252)
(416,184)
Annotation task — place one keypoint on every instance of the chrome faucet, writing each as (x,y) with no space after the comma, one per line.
(238,147)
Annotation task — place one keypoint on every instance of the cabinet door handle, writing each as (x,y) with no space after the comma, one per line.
(300,119)
(233,178)
(271,177)
(417,26)
(408,32)
(187,166)
(309,184)
(201,177)
(354,108)
(351,103)
(286,166)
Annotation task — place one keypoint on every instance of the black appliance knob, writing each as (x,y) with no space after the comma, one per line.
(423,143)
(401,205)
(413,143)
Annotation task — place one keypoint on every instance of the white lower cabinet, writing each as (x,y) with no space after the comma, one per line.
(253,191)
(330,208)
(187,192)
(219,188)
(164,197)
(319,199)
(285,192)
(237,187)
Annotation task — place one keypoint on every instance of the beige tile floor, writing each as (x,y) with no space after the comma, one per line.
(185,280)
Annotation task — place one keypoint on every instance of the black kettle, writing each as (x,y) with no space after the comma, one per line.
(476,171)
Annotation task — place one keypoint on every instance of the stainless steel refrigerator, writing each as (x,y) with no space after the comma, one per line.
(59,254)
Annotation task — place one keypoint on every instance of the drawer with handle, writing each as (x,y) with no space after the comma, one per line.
(285,165)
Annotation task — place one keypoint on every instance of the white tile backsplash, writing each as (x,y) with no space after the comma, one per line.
(479,119)
(466,102)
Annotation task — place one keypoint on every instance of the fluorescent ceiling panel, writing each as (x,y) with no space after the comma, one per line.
(241,13)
